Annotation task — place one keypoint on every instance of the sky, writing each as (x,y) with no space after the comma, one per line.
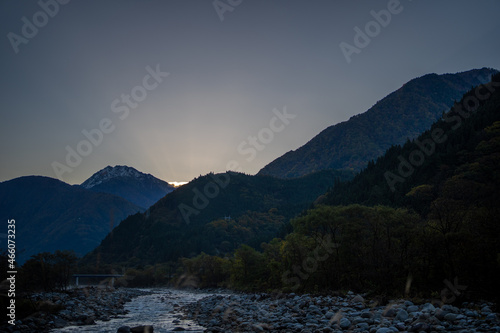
(180,88)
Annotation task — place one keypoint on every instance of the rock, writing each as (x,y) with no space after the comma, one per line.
(366,315)
(60,323)
(412,308)
(400,327)
(123,329)
(428,307)
(485,309)
(257,328)
(402,315)
(358,299)
(309,314)
(329,315)
(450,317)
(391,312)
(344,323)
(363,326)
(178,329)
(440,313)
(491,317)
(384,330)
(142,329)
(433,321)
(419,327)
(470,313)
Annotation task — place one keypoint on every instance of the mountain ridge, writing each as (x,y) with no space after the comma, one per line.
(257,206)
(380,178)
(402,114)
(69,216)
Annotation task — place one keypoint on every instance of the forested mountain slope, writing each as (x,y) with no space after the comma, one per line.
(403,114)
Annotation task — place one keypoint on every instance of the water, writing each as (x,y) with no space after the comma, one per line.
(160,309)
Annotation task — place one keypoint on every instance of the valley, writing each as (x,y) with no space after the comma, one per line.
(368,243)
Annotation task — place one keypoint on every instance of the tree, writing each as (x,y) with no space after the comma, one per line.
(48,271)
(64,263)
(248,268)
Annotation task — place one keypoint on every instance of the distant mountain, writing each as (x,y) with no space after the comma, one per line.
(52,215)
(139,188)
(214,213)
(403,114)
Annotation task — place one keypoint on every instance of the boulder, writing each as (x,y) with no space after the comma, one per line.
(440,313)
(428,307)
(412,308)
(391,312)
(142,329)
(329,315)
(491,317)
(358,299)
(384,330)
(450,317)
(419,327)
(402,315)
(344,323)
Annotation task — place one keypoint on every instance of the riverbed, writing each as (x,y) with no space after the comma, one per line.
(161,309)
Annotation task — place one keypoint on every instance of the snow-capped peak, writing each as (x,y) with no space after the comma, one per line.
(110,172)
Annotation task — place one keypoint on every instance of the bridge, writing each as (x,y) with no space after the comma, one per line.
(112,276)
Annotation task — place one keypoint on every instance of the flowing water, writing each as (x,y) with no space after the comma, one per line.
(160,309)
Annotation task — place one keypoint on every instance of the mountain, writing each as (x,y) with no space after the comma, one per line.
(443,189)
(139,188)
(214,213)
(52,215)
(403,114)
(462,141)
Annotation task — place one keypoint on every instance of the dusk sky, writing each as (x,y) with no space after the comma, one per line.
(100,67)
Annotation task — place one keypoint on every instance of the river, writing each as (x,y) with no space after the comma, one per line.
(160,309)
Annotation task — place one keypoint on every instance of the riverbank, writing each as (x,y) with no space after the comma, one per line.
(305,313)
(78,307)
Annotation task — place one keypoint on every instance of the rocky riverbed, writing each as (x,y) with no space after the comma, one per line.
(349,313)
(79,307)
